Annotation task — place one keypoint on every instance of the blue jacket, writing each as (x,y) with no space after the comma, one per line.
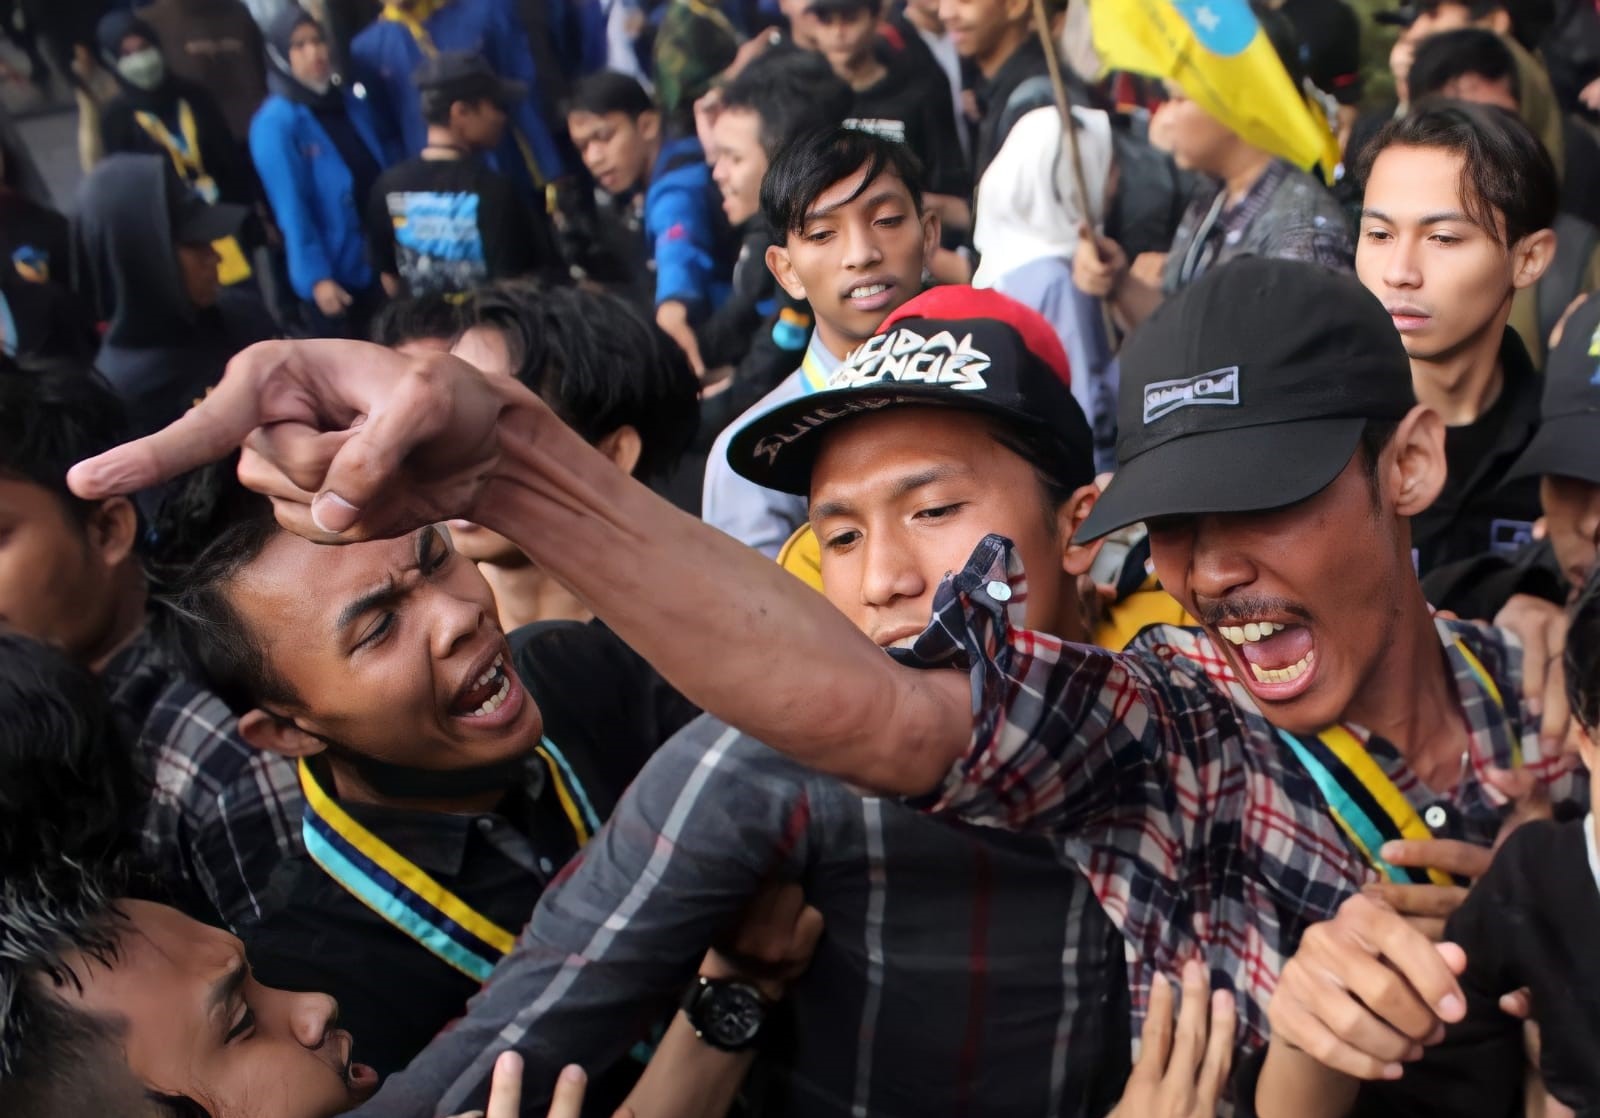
(681,231)
(310,190)
(385,56)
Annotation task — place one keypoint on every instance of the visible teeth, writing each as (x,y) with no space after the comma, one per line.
(905,642)
(492,703)
(1249,633)
(488,673)
(1284,675)
(869,291)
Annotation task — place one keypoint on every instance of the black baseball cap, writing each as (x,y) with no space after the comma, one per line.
(1567,443)
(467,76)
(198,222)
(952,346)
(1248,390)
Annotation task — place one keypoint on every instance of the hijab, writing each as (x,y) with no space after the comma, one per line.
(1028,206)
(280,75)
(112,29)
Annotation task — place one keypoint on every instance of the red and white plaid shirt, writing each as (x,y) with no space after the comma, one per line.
(1199,831)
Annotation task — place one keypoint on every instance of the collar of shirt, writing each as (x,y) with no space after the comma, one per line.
(817,365)
(438,841)
(1592,846)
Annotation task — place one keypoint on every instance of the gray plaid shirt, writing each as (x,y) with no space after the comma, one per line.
(963,970)
(1286,215)
(221,814)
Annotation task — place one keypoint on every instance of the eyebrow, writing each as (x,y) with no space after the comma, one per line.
(902,488)
(389,591)
(1426,219)
(877,199)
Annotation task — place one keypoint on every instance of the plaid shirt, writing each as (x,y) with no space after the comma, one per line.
(1286,214)
(221,814)
(962,971)
(1198,829)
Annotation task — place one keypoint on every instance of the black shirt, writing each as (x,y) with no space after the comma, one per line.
(1479,510)
(911,105)
(449,225)
(1021,83)
(606,711)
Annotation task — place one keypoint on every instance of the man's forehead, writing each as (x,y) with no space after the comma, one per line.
(293,568)
(850,190)
(884,448)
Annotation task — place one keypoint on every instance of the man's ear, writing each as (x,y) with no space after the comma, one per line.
(931,232)
(783,271)
(1077,558)
(649,126)
(272,733)
(1414,473)
(1019,11)
(113,527)
(623,446)
(1531,257)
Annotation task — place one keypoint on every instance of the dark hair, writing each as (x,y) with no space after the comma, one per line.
(225,652)
(1060,470)
(1530,19)
(1581,660)
(1449,55)
(1375,436)
(599,364)
(65,1062)
(793,93)
(815,161)
(1509,186)
(418,318)
(437,101)
(609,91)
(50,419)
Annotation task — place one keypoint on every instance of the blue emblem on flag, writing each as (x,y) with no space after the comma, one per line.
(1223,27)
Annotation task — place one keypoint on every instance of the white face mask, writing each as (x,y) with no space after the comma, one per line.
(143,68)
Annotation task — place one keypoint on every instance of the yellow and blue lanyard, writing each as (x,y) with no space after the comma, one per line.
(1364,801)
(404,894)
(185,153)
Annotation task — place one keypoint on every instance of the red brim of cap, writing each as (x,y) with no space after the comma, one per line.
(1564,446)
(1246,469)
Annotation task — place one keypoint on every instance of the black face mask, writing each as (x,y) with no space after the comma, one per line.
(403,782)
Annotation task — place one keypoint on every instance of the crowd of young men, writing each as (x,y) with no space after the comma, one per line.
(694,659)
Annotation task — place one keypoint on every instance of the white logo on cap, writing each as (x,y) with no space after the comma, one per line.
(906,357)
(1219,386)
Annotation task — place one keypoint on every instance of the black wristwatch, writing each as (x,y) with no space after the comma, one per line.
(726,1013)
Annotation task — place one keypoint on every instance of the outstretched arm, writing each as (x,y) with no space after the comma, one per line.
(354,441)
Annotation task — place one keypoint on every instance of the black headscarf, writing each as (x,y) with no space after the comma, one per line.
(113,28)
(280,77)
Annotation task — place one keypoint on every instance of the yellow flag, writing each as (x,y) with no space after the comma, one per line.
(1219,53)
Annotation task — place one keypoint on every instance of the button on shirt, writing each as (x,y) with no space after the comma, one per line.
(1196,826)
(963,970)
(1286,214)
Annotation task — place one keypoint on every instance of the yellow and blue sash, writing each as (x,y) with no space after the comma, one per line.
(1364,801)
(404,894)
(233,267)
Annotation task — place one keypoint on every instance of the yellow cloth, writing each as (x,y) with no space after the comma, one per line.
(1219,53)
(801,556)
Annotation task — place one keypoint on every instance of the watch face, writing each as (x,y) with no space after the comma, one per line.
(733,1016)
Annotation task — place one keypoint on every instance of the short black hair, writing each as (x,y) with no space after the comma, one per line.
(438,100)
(599,364)
(814,161)
(50,419)
(1060,470)
(65,1062)
(224,651)
(793,93)
(1582,657)
(1449,55)
(1530,19)
(417,318)
(609,91)
(1509,186)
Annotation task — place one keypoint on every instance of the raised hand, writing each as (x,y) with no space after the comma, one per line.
(1181,1072)
(1366,992)
(350,440)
